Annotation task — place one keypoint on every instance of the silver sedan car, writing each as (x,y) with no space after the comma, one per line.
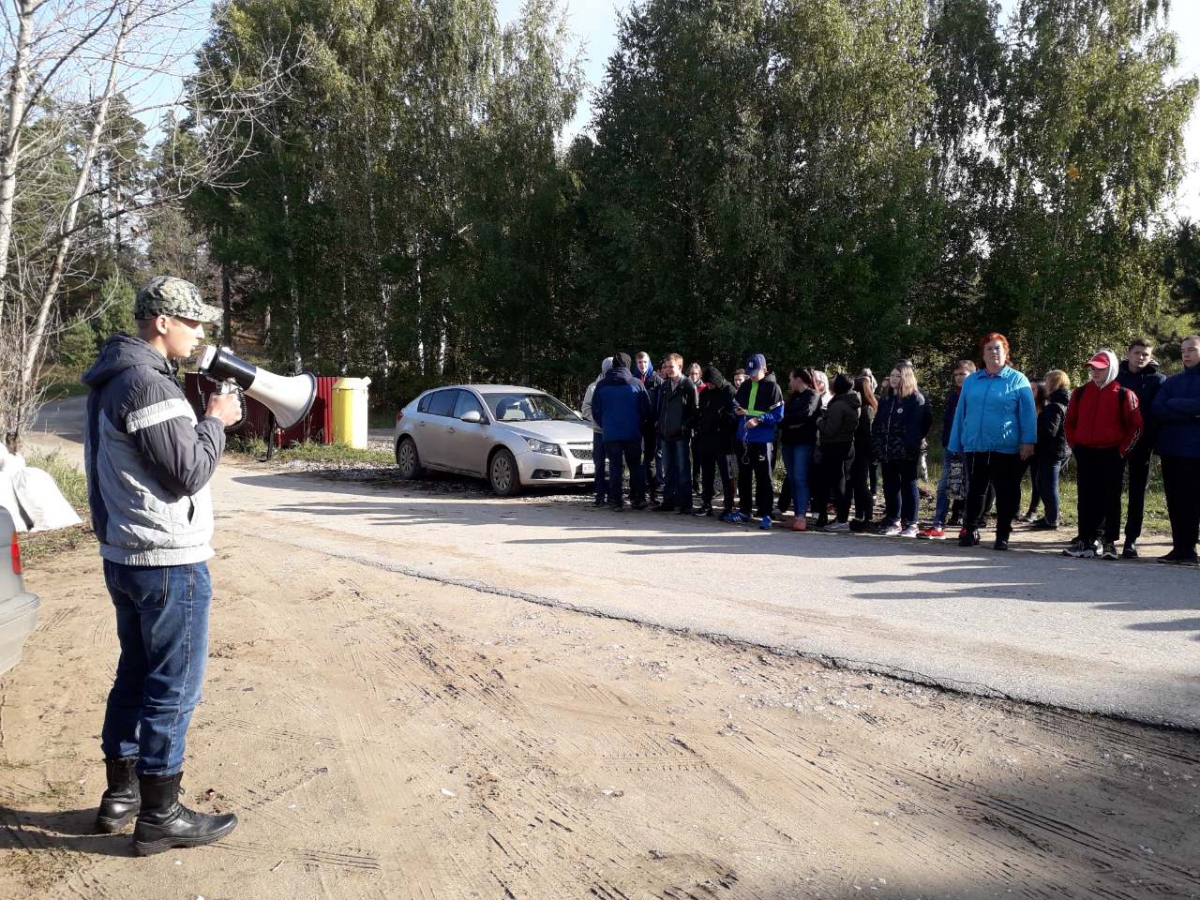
(512,436)
(18,607)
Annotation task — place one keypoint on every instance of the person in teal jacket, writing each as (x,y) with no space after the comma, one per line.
(995,428)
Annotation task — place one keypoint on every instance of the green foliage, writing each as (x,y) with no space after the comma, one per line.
(77,346)
(837,182)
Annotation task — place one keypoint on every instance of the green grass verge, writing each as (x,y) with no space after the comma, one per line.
(71,481)
(310,452)
(67,475)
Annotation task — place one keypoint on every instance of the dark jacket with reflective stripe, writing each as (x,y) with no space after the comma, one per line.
(148,460)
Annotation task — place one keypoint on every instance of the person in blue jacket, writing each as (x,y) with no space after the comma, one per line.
(995,426)
(1176,417)
(621,407)
(758,405)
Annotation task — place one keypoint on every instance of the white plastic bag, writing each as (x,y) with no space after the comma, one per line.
(8,500)
(31,496)
(42,501)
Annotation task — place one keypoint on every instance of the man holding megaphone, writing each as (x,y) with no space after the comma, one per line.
(148,463)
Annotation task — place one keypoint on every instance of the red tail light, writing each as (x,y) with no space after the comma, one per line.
(399,415)
(16,555)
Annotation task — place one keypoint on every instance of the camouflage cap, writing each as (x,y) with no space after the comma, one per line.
(164,295)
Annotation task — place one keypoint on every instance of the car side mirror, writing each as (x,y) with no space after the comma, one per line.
(472,417)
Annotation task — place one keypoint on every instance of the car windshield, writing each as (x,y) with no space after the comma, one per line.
(523,407)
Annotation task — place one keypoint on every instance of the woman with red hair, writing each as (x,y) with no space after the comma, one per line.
(995,427)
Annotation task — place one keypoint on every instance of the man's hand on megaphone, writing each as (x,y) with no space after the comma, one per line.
(226,407)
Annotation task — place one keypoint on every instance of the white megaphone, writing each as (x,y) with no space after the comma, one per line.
(289,398)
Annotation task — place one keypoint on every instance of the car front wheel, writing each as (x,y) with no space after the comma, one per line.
(407,459)
(503,475)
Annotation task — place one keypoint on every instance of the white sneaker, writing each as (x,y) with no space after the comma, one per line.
(910,531)
(891,530)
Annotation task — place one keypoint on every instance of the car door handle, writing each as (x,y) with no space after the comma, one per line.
(449,431)
(420,424)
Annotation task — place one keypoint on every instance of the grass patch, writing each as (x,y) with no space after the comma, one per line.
(310,452)
(46,544)
(68,476)
(58,383)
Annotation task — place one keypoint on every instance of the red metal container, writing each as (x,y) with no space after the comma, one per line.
(316,426)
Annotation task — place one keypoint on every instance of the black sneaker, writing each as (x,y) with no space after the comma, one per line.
(1043,525)
(1179,559)
(639,505)
(702,511)
(1081,549)
(664,507)
(1109,551)
(968,538)
(1130,551)
(1001,544)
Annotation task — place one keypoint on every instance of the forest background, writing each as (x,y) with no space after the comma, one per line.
(382,187)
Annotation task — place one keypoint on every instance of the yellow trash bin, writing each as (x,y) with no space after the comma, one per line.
(350,412)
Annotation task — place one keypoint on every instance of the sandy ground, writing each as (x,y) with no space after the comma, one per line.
(384,736)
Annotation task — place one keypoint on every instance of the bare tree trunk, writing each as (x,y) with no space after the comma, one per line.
(50,292)
(10,150)
(293,290)
(227,306)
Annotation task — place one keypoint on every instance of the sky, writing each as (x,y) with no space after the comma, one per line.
(594,22)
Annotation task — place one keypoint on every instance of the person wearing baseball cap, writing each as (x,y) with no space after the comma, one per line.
(758,405)
(148,462)
(1103,424)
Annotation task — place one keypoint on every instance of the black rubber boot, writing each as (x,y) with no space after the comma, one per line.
(119,804)
(164,822)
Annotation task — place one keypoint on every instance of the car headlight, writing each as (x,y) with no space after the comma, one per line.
(542,447)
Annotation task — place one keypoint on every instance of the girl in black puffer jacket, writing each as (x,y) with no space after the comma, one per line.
(903,420)
(798,431)
(1052,450)
(837,429)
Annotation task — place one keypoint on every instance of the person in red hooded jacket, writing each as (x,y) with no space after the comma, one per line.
(1103,424)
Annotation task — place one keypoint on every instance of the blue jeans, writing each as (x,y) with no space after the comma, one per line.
(900,492)
(942,510)
(162,625)
(621,454)
(797,459)
(1047,483)
(599,459)
(677,472)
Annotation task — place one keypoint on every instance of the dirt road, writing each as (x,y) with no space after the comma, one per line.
(398,705)
(385,736)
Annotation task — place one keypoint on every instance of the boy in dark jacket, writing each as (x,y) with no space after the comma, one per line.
(1176,414)
(715,428)
(677,408)
(1103,423)
(621,407)
(837,428)
(651,453)
(759,405)
(1139,373)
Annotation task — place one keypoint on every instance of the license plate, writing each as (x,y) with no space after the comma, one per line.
(589,468)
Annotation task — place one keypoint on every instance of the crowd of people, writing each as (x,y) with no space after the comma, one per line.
(686,433)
